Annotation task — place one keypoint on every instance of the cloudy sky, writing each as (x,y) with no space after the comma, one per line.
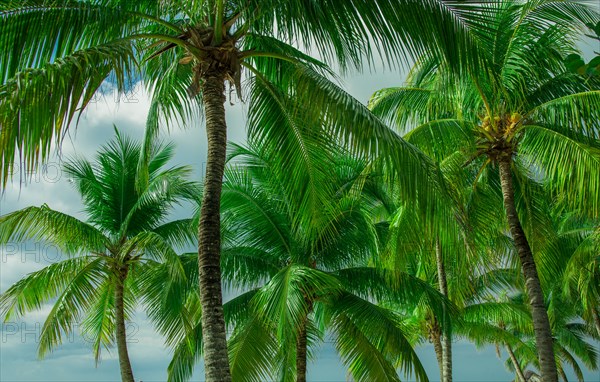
(74,360)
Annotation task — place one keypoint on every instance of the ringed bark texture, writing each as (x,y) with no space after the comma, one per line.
(596,318)
(216,360)
(541,323)
(436,339)
(121,335)
(301,346)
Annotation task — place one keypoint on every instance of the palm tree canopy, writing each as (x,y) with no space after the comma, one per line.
(526,103)
(123,226)
(523,111)
(58,53)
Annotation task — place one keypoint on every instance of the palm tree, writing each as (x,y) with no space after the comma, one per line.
(449,255)
(564,247)
(453,249)
(428,261)
(523,107)
(560,238)
(316,277)
(99,281)
(58,53)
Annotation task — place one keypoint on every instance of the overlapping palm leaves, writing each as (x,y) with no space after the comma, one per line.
(525,105)
(186,51)
(57,53)
(501,317)
(324,277)
(478,259)
(97,284)
(302,280)
(448,251)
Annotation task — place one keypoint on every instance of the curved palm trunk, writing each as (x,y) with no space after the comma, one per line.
(301,346)
(447,334)
(541,324)
(216,361)
(516,364)
(121,336)
(436,339)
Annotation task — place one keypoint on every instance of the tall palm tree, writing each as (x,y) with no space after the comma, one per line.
(524,106)
(98,282)
(56,54)
(564,245)
(451,251)
(559,239)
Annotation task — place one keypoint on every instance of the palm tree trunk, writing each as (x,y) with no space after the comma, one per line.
(541,324)
(216,360)
(301,343)
(436,339)
(301,346)
(596,318)
(516,364)
(121,336)
(447,333)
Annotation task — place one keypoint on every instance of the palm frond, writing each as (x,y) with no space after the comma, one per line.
(578,111)
(252,351)
(66,26)
(285,299)
(99,323)
(37,106)
(44,224)
(555,152)
(372,342)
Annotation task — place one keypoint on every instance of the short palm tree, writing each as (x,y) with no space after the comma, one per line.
(98,283)
(56,54)
(522,106)
(316,278)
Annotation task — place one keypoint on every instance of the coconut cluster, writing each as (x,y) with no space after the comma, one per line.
(497,134)
(501,125)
